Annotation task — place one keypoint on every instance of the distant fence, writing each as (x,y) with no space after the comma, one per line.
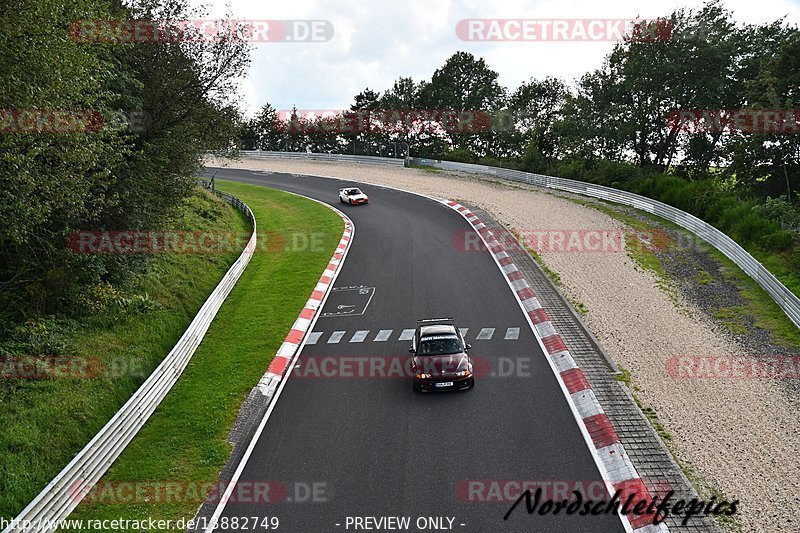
(70,486)
(787,300)
(335,158)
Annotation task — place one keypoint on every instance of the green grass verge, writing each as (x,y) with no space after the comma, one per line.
(426,168)
(43,423)
(186,438)
(760,305)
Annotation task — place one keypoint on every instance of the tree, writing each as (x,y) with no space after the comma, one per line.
(358,131)
(465,83)
(105,176)
(536,107)
(769,162)
(264,131)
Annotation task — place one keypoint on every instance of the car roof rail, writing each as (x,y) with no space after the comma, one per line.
(445,320)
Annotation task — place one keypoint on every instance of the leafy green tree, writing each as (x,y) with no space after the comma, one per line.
(466,83)
(109,175)
(264,131)
(763,162)
(536,107)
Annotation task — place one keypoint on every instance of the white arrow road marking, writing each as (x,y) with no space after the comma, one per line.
(336,337)
(485,334)
(512,334)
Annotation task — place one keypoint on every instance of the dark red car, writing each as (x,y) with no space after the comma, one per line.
(440,360)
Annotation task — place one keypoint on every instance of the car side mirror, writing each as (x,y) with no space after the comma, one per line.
(412,350)
(468,346)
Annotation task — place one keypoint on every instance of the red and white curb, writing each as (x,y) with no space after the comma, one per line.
(285,354)
(273,381)
(613,462)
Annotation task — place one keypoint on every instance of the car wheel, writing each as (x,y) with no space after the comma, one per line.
(350,201)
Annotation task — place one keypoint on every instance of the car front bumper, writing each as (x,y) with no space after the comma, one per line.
(429,385)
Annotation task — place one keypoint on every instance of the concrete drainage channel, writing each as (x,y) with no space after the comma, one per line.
(652,460)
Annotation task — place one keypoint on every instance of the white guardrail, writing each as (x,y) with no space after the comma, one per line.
(71,485)
(331,158)
(787,300)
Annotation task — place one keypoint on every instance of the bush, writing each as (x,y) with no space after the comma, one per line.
(573,169)
(782,211)
(459,155)
(138,303)
(37,337)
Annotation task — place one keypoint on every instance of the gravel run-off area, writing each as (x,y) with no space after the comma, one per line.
(739,436)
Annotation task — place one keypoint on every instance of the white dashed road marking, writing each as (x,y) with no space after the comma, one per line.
(314,337)
(485,334)
(383,335)
(406,335)
(336,337)
(360,335)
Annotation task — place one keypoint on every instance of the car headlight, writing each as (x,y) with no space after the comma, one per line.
(463,373)
(423,376)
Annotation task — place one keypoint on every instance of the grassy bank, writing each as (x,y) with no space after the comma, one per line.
(767,227)
(764,311)
(753,222)
(123,333)
(186,439)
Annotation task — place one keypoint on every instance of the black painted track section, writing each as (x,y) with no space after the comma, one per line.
(372,445)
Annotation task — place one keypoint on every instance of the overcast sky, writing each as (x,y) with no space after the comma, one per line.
(377,42)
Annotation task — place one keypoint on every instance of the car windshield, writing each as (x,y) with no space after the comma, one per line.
(440,345)
(352,191)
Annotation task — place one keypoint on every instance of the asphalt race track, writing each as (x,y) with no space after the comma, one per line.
(336,448)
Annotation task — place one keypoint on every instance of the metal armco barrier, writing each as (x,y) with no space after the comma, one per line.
(336,158)
(787,300)
(71,485)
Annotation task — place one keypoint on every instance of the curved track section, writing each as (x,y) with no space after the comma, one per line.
(349,444)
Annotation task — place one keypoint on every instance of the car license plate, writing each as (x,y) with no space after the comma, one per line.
(444,384)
